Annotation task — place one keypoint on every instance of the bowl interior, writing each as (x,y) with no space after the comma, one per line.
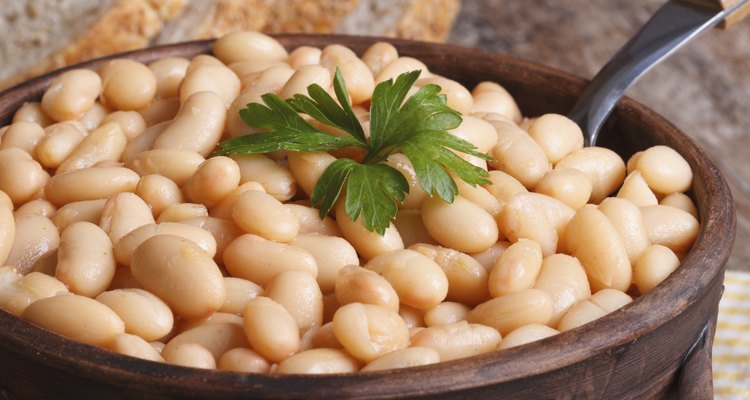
(684,302)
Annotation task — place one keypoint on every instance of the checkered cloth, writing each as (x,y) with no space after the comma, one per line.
(731,351)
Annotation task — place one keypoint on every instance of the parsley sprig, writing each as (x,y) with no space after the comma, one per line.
(417,127)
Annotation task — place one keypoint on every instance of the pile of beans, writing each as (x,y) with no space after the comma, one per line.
(119,230)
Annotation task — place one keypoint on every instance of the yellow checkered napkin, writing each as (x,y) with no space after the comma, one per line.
(731,351)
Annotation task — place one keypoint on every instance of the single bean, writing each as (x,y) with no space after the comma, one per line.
(243,360)
(527,334)
(144,141)
(23,135)
(304,55)
(462,225)
(32,112)
(368,331)
(489,257)
(514,310)
(239,293)
(215,78)
(598,305)
(35,236)
(378,55)
(681,201)
(269,328)
(36,207)
(635,189)
(128,243)
(277,179)
(85,259)
(367,243)
(399,66)
(665,170)
(557,135)
(653,266)
(570,186)
(305,76)
(627,220)
(7,232)
(419,281)
(416,195)
(158,192)
(593,239)
(565,280)
(307,167)
(355,284)
(182,211)
(447,312)
(331,255)
(135,346)
(143,313)
(90,184)
(127,84)
(671,227)
(490,97)
(311,223)
(131,122)
(516,269)
(270,80)
(248,45)
(299,293)
(504,186)
(457,97)
(59,141)
(411,228)
(198,125)
(191,355)
(122,213)
(177,165)
(318,361)
(169,72)
(94,116)
(256,259)
(414,356)
(21,177)
(180,273)
(71,94)
(458,339)
(76,317)
(223,209)
(517,154)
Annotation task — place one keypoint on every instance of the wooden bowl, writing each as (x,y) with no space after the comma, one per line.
(657,345)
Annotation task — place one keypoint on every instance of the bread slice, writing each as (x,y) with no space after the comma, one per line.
(41,35)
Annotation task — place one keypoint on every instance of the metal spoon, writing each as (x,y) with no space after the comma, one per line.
(672,26)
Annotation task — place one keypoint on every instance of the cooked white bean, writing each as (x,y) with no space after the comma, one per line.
(378,55)
(462,225)
(71,94)
(131,122)
(259,213)
(177,165)
(527,334)
(168,72)
(514,310)
(77,317)
(418,280)
(489,257)
(570,186)
(144,141)
(215,78)
(128,243)
(270,329)
(160,110)
(671,227)
(681,201)
(653,266)
(36,207)
(224,232)
(90,184)
(239,293)
(182,211)
(411,228)
(311,223)
(198,125)
(416,195)
(18,291)
(593,239)
(665,170)
(355,284)
(180,273)
(479,196)
(635,189)
(305,76)
(603,166)
(399,66)
(159,192)
(565,280)
(304,55)
(276,179)
(458,98)
(504,186)
(331,255)
(21,177)
(87,210)
(122,213)
(190,355)
(223,209)
(367,243)
(413,356)
(318,361)
(368,331)
(135,346)
(458,339)
(59,141)
(23,135)
(413,317)
(85,259)
(467,279)
(143,313)
(517,154)
(270,80)
(256,259)
(516,269)
(243,360)
(248,45)
(492,98)
(299,293)
(627,220)
(127,84)
(107,142)
(94,116)
(521,218)
(7,231)
(307,167)
(598,305)
(34,237)
(557,135)
(32,112)
(446,312)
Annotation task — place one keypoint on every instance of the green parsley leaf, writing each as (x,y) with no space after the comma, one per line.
(417,126)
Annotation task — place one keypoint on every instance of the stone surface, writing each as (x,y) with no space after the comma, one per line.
(704,88)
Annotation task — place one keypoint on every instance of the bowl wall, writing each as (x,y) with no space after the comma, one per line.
(636,352)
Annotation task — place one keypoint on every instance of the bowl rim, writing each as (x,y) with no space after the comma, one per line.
(704,264)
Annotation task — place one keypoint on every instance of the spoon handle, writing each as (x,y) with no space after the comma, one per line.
(672,26)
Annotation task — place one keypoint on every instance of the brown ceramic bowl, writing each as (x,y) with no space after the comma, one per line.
(656,346)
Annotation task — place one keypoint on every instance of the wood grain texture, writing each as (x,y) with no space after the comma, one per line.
(704,88)
(634,353)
